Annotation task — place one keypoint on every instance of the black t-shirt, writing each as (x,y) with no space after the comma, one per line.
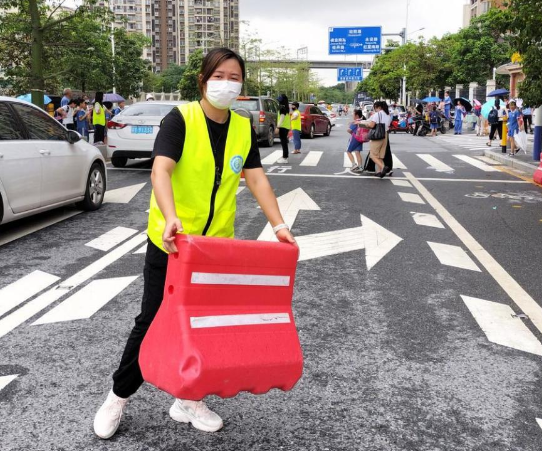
(170,140)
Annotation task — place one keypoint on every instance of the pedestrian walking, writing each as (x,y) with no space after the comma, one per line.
(355,142)
(67,96)
(197,142)
(434,119)
(378,136)
(81,118)
(98,118)
(283,127)
(527,114)
(295,119)
(458,118)
(68,112)
(495,119)
(514,120)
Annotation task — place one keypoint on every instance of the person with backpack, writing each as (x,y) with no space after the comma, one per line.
(355,143)
(434,120)
(495,119)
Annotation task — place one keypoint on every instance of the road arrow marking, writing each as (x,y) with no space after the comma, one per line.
(5,380)
(426,219)
(289,204)
(411,197)
(87,301)
(110,239)
(122,195)
(403,183)
(453,256)
(501,327)
(375,239)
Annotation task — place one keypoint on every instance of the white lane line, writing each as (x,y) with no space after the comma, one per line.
(35,224)
(312,158)
(501,327)
(110,239)
(476,163)
(241,188)
(209,278)
(411,197)
(5,380)
(435,163)
(202,322)
(10,322)
(123,195)
(142,250)
(24,288)
(87,301)
(272,157)
(453,256)
(346,161)
(521,298)
(401,183)
(398,164)
(539,422)
(489,160)
(422,179)
(426,219)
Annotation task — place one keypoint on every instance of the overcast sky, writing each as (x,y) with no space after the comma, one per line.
(295,24)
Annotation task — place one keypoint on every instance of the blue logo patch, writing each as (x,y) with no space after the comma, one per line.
(236,164)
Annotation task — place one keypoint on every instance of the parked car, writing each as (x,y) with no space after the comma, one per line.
(313,121)
(43,165)
(367,109)
(264,112)
(132,132)
(330,114)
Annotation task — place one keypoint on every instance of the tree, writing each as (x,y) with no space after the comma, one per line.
(129,67)
(527,39)
(189,81)
(171,77)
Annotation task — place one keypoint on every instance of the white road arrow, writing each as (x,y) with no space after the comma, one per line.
(122,195)
(375,239)
(290,204)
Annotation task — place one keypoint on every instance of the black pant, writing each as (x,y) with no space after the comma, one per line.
(283,135)
(99,133)
(127,379)
(528,122)
(370,166)
(495,128)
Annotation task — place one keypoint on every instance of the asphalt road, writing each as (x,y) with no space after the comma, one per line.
(406,325)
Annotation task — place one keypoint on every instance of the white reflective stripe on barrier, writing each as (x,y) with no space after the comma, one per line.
(208,278)
(201,322)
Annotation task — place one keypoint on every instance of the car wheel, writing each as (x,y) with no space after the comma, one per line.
(328,130)
(119,162)
(311,133)
(95,188)
(270,140)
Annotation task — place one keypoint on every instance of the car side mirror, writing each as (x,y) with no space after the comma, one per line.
(73,137)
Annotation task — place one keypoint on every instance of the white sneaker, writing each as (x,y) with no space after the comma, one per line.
(107,419)
(282,161)
(197,413)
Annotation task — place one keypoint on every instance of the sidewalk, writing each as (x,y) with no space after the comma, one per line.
(521,160)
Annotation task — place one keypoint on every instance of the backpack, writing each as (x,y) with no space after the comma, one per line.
(434,117)
(493,116)
(362,134)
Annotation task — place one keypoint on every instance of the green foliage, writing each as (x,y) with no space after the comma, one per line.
(130,68)
(189,81)
(334,94)
(527,37)
(171,77)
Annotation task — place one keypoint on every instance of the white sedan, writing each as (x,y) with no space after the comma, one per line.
(131,133)
(43,165)
(330,115)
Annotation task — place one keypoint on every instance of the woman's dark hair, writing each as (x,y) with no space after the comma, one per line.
(284,105)
(434,108)
(358,113)
(212,60)
(384,107)
(108,105)
(99,98)
(497,103)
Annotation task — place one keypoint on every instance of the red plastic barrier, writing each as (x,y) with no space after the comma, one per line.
(226,323)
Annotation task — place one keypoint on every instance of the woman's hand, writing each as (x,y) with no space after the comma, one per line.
(173,227)
(285,236)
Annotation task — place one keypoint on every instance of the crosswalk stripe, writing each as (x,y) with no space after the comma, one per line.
(501,327)
(398,164)
(426,219)
(272,157)
(110,239)
(404,183)
(142,250)
(123,195)
(453,256)
(24,288)
(436,164)
(346,161)
(476,163)
(87,301)
(411,197)
(5,380)
(312,158)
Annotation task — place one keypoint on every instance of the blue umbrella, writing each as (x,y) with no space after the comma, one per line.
(498,92)
(28,98)
(113,98)
(431,99)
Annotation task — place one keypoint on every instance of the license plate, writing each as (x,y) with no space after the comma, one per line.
(142,129)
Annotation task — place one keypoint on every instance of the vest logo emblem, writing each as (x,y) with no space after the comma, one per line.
(236,164)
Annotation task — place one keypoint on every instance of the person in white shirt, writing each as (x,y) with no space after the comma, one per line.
(67,112)
(377,147)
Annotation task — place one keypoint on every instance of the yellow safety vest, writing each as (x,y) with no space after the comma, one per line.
(296,123)
(203,206)
(99,118)
(286,122)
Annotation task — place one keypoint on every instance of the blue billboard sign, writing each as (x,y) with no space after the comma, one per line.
(349,74)
(355,40)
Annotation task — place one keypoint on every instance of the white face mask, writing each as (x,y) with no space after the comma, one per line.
(222,93)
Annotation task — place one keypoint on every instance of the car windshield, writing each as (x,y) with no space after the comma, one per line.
(247,104)
(148,109)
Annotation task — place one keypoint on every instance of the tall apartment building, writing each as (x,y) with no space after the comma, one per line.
(178,27)
(475,8)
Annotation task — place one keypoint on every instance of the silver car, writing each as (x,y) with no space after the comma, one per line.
(264,112)
(43,165)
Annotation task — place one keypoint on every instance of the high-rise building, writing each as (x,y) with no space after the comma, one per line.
(475,8)
(178,27)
